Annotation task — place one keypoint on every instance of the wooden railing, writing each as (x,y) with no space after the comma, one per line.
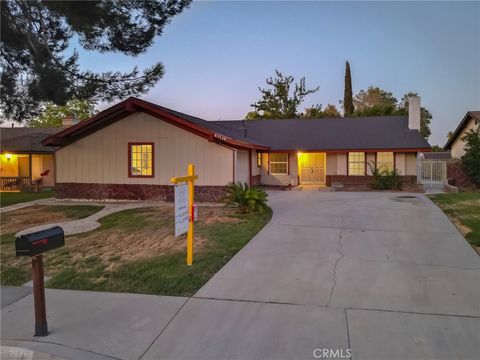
(12,183)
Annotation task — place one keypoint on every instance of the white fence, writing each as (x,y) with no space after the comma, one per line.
(431,173)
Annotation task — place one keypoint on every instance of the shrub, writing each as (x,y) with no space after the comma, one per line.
(471,159)
(384,179)
(246,199)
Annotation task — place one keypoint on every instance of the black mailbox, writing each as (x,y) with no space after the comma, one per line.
(40,241)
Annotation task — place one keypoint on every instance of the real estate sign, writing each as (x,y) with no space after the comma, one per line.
(181,209)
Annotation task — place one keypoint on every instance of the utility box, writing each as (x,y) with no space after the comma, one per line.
(39,242)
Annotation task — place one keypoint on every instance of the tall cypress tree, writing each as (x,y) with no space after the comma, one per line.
(348,108)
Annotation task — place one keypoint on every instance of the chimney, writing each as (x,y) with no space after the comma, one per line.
(69,120)
(414,112)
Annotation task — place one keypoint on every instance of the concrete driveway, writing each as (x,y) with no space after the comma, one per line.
(383,275)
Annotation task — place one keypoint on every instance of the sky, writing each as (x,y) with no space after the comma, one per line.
(217,54)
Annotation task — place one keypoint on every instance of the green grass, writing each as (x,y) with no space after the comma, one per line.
(12,198)
(16,271)
(165,274)
(463,208)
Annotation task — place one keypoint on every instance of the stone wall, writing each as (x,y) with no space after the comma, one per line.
(256,180)
(363,182)
(133,192)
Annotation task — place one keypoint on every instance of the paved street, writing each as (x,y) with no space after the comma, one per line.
(383,274)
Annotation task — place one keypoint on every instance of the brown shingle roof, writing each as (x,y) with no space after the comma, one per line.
(354,133)
(26,140)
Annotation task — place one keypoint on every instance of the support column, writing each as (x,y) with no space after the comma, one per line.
(30,171)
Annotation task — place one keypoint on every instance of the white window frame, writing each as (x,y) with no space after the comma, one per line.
(384,164)
(278,162)
(357,162)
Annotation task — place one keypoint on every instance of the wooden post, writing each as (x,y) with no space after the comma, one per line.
(30,171)
(41,328)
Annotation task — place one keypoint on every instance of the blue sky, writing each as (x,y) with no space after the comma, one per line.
(216,54)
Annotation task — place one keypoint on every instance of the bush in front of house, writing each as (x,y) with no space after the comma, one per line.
(471,159)
(247,199)
(385,179)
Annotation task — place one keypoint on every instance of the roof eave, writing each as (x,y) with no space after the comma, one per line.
(133,105)
(458,130)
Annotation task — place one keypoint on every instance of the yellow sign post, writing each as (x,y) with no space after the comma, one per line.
(189,179)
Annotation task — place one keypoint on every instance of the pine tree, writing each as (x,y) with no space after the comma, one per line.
(348,108)
(38,64)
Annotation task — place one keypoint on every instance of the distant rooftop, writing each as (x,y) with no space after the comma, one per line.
(26,140)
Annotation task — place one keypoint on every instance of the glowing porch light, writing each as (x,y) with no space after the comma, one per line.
(8,157)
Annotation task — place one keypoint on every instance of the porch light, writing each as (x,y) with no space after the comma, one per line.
(8,157)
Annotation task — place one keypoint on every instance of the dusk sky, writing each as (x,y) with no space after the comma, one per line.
(216,54)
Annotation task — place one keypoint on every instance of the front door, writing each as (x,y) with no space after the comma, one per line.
(312,168)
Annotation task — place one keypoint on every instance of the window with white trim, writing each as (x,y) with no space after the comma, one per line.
(356,163)
(385,160)
(278,163)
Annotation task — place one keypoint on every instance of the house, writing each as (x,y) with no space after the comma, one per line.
(132,149)
(471,121)
(24,162)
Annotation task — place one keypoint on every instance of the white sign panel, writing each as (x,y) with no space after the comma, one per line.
(181,209)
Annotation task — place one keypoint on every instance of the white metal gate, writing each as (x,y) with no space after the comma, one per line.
(432,173)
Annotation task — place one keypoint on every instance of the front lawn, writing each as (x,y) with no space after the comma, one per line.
(12,198)
(464,211)
(135,251)
(16,271)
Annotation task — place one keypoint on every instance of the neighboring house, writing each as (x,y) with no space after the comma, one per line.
(132,149)
(455,144)
(24,162)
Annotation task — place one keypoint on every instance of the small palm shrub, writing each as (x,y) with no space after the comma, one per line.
(246,199)
(384,179)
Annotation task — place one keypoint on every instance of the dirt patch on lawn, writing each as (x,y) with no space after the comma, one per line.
(115,247)
(14,221)
(211,215)
(462,228)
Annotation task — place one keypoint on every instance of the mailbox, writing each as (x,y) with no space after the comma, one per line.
(39,242)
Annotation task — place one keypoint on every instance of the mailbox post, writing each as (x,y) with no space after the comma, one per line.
(41,328)
(34,245)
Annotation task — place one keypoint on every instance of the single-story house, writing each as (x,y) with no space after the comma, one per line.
(26,163)
(132,149)
(471,121)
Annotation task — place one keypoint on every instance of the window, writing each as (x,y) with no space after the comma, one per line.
(279,164)
(356,163)
(140,159)
(385,161)
(259,159)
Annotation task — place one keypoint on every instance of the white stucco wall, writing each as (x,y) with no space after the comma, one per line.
(400,163)
(242,167)
(341,164)
(291,178)
(331,164)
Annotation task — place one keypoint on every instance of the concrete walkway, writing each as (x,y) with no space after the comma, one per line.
(384,275)
(89,223)
(13,207)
